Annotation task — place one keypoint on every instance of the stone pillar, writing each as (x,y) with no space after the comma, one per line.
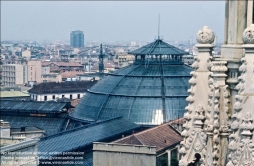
(241,145)
(5,129)
(194,133)
(219,115)
(250,13)
(232,52)
(169,157)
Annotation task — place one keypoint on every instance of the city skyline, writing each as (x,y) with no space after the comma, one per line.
(109,21)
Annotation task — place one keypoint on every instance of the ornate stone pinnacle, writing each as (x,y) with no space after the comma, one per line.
(248,35)
(205,36)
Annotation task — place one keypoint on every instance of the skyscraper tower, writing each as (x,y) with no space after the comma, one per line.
(77,39)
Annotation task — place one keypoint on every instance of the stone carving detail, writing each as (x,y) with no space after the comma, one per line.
(241,146)
(216,124)
(242,69)
(195,64)
(205,36)
(241,149)
(197,118)
(248,35)
(219,66)
(209,121)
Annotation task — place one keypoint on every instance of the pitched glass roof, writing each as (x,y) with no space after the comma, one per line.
(84,136)
(31,106)
(50,125)
(158,47)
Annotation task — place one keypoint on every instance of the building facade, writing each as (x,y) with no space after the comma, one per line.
(51,77)
(77,39)
(56,90)
(34,71)
(13,74)
(63,66)
(55,96)
(113,154)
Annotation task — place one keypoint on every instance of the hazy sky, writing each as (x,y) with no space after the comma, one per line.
(109,20)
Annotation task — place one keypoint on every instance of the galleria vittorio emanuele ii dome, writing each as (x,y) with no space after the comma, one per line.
(151,91)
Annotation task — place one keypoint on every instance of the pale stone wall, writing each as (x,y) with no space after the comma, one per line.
(10,141)
(26,54)
(28,134)
(238,15)
(4,129)
(45,70)
(105,154)
(34,71)
(51,77)
(12,74)
(21,153)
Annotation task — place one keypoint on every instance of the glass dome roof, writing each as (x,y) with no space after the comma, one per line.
(145,94)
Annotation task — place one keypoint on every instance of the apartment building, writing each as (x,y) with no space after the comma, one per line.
(63,66)
(13,74)
(34,72)
(51,77)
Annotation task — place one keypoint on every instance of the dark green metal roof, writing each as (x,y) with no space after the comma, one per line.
(158,47)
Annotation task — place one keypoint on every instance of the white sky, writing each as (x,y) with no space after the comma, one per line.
(109,20)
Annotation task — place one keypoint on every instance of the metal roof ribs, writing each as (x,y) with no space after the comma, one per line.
(107,96)
(163,93)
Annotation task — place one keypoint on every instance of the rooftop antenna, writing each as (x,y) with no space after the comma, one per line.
(159,27)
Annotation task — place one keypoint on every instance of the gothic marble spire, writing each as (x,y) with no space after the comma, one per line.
(241,146)
(193,147)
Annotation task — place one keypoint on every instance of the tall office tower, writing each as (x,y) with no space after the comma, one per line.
(77,39)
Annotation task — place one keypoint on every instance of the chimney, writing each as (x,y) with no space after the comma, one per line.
(5,131)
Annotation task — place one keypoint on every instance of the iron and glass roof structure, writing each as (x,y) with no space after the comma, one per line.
(85,136)
(50,125)
(49,116)
(158,47)
(32,106)
(151,91)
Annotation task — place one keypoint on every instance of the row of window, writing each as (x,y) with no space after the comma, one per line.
(54,97)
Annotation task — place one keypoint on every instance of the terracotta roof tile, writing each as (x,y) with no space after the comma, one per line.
(71,74)
(162,136)
(177,121)
(62,87)
(68,64)
(46,63)
(75,102)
